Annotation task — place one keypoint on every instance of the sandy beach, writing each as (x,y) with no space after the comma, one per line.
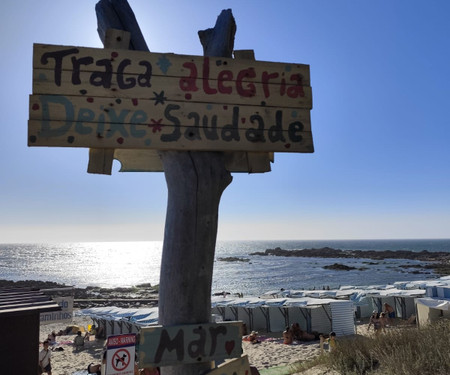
(269,353)
(71,361)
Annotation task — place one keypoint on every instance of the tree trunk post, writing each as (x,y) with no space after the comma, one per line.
(195,181)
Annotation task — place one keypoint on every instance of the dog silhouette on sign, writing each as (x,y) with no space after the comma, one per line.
(121,360)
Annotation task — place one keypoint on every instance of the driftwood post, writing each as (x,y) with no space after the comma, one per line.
(195,182)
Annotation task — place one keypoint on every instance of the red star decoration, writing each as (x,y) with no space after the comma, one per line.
(157,126)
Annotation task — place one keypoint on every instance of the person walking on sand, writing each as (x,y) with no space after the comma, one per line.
(383,321)
(375,320)
(44,359)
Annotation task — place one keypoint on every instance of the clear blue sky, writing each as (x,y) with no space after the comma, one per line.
(381,124)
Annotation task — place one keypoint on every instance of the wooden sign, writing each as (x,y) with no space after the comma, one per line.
(122,99)
(237,366)
(175,345)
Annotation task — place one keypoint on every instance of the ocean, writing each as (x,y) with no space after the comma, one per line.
(119,264)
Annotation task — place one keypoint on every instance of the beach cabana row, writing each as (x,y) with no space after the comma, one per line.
(116,320)
(273,315)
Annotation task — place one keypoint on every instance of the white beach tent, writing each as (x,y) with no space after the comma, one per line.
(274,314)
(115,320)
(403,301)
(432,309)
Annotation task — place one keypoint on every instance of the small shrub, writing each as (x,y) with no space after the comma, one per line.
(353,356)
(399,351)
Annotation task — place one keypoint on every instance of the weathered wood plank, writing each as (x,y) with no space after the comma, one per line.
(101,160)
(49,57)
(144,111)
(116,135)
(191,343)
(71,121)
(138,160)
(257,162)
(168,88)
(237,366)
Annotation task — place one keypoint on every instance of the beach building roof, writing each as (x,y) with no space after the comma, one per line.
(25,301)
(20,310)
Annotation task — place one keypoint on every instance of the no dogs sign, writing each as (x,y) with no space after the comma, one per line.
(120,354)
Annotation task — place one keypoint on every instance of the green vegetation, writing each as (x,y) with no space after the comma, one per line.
(399,351)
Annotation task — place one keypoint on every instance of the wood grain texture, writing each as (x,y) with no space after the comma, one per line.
(196,181)
(101,159)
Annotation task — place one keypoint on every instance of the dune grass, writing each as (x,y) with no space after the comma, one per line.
(398,351)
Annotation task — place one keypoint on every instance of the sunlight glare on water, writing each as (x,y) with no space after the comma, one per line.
(106,264)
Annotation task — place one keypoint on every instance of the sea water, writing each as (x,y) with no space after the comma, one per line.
(117,264)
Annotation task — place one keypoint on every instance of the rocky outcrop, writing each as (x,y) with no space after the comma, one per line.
(339,267)
(91,296)
(233,259)
(343,267)
(441,260)
(327,252)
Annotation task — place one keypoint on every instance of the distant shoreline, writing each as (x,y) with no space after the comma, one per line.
(137,296)
(439,261)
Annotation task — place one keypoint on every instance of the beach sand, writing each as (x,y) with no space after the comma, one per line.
(70,360)
(269,353)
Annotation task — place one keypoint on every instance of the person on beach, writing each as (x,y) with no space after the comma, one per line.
(78,341)
(375,320)
(331,341)
(288,338)
(383,321)
(252,337)
(94,369)
(296,331)
(389,310)
(90,334)
(44,359)
(52,338)
(300,335)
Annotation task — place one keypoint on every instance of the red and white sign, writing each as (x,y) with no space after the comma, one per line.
(120,355)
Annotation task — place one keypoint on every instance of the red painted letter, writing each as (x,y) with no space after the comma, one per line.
(265,79)
(206,88)
(188,83)
(295,91)
(224,76)
(251,90)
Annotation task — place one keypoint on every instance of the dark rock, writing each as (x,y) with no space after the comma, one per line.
(339,267)
(441,259)
(233,259)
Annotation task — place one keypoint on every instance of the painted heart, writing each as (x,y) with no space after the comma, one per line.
(229,346)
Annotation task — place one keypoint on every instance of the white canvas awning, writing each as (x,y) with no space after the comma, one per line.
(435,303)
